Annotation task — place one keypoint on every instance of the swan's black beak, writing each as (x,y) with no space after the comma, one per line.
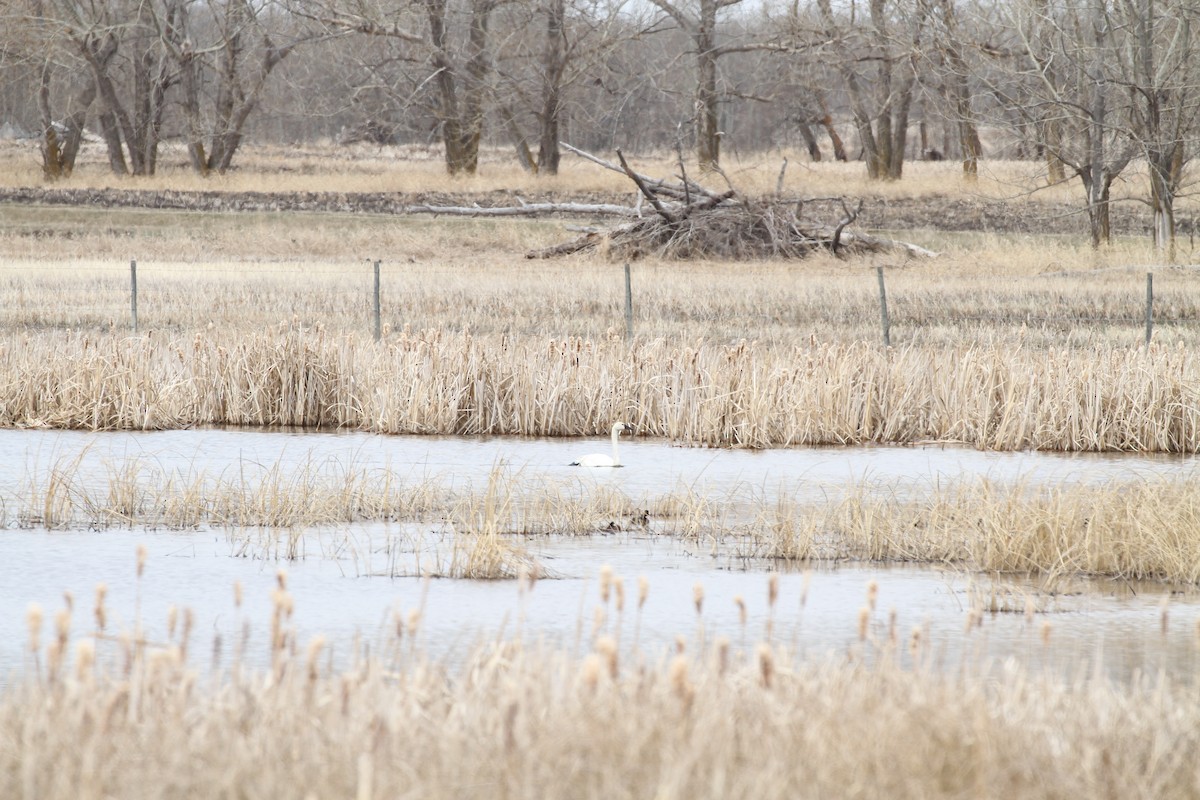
(630,429)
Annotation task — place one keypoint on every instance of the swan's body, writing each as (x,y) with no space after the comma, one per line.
(601,460)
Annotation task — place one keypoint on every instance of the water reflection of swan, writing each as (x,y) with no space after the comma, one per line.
(601,460)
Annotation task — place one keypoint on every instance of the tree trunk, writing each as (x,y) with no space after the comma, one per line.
(519,141)
(835,141)
(708,128)
(810,140)
(52,149)
(1162,200)
(1052,144)
(461,118)
(553,66)
(960,93)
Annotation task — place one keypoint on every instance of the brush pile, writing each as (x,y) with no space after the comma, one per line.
(687,220)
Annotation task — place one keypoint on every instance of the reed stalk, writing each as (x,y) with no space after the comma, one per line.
(510,717)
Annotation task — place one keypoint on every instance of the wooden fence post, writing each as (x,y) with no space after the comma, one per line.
(883,312)
(1149,306)
(628,305)
(378,312)
(133,293)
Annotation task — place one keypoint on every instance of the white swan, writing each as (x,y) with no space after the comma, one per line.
(601,460)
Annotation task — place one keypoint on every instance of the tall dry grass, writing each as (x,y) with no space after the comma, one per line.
(823,300)
(1106,398)
(115,716)
(1128,529)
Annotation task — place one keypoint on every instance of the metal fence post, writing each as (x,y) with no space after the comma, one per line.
(883,312)
(378,313)
(133,293)
(628,305)
(1149,306)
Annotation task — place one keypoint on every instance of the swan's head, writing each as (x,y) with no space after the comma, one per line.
(623,427)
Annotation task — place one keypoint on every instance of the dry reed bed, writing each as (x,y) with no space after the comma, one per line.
(884,719)
(747,395)
(1135,530)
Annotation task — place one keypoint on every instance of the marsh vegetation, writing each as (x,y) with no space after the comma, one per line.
(252,319)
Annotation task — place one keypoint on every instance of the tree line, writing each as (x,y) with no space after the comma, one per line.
(1084,87)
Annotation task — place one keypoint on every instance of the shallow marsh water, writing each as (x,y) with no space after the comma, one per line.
(342,591)
(651,468)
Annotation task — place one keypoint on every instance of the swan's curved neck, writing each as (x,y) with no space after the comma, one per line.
(615,433)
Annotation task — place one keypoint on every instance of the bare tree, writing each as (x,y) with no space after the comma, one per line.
(956,88)
(1070,72)
(458,72)
(698,19)
(1165,103)
(233,49)
(553,68)
(881,98)
(62,88)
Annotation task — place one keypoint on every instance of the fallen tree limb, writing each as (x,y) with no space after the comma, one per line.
(527,210)
(637,179)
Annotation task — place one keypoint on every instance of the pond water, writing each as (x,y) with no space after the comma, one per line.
(651,468)
(341,591)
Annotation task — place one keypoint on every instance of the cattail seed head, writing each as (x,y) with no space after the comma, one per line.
(589,672)
(766,665)
(681,683)
(864,622)
(237,594)
(414,622)
(172,618)
(872,594)
(1046,627)
(643,591)
(101,614)
(606,647)
(62,624)
(740,602)
(141,559)
(281,578)
(680,644)
(606,575)
(314,655)
(914,641)
(33,619)
(722,655)
(773,590)
(1030,609)
(619,593)
(85,657)
(698,596)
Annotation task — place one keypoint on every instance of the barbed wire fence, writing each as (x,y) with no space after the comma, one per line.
(367,293)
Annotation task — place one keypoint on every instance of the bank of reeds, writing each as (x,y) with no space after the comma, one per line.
(1138,529)
(743,395)
(116,716)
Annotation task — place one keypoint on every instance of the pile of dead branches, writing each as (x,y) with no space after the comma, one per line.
(686,220)
(682,219)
